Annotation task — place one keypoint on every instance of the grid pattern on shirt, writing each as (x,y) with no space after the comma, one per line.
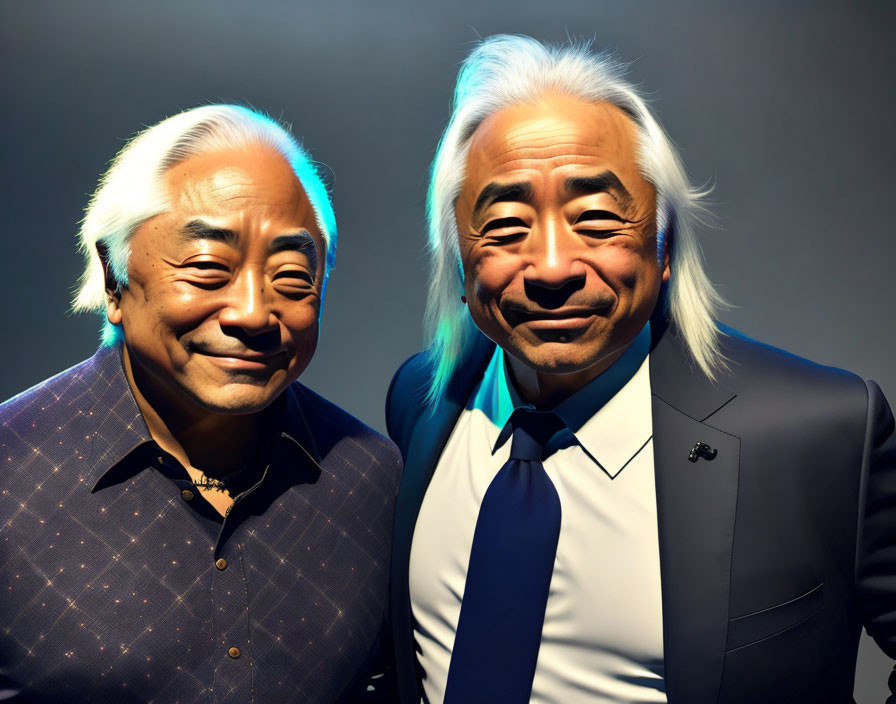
(113,595)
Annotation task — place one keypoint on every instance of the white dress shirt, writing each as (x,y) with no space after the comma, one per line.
(602,639)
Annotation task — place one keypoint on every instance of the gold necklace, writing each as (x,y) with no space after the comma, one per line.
(211,483)
(206,482)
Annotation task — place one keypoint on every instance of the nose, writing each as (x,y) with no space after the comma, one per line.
(552,250)
(247,306)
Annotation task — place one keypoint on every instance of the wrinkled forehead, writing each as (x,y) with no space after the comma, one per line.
(555,131)
(250,183)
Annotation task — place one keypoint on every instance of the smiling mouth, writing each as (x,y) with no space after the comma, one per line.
(243,361)
(556,325)
(567,318)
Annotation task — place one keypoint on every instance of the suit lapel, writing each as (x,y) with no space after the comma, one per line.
(427,440)
(695,511)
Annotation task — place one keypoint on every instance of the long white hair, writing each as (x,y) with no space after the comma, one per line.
(505,70)
(133,189)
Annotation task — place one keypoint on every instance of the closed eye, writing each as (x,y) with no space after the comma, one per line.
(293,276)
(600,224)
(501,224)
(598,215)
(295,284)
(205,265)
(206,273)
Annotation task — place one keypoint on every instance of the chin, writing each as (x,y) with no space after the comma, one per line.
(228,400)
(556,358)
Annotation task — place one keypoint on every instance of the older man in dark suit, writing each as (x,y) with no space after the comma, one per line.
(180,519)
(608,497)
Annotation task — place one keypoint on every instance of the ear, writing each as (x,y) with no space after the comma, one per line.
(113,288)
(667,271)
(665,242)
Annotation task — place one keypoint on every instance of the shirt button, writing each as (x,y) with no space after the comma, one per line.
(160,460)
(234,653)
(221,564)
(186,495)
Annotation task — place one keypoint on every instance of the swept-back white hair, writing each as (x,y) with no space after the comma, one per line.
(505,70)
(134,189)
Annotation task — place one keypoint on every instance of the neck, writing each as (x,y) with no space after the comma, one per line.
(545,390)
(216,443)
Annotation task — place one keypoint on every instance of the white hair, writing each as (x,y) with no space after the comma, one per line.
(505,70)
(133,189)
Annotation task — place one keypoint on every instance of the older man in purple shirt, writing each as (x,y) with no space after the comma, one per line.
(180,519)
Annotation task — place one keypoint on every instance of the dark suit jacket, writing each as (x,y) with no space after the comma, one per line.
(773,555)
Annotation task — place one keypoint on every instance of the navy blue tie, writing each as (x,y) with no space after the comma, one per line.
(509,575)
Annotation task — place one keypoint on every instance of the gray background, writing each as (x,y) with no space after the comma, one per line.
(786,108)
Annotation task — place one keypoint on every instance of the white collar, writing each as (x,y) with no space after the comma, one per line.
(616,430)
(620,429)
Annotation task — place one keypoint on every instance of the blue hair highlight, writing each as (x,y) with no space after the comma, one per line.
(111,334)
(661,247)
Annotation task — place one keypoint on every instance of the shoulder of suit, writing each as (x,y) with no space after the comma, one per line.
(330,424)
(754,367)
(406,398)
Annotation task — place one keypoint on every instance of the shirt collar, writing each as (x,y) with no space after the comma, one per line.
(610,417)
(121,442)
(621,427)
(118,426)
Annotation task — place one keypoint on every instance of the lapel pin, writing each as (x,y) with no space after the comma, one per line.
(701,449)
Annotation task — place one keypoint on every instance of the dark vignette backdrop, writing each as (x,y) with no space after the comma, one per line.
(788,109)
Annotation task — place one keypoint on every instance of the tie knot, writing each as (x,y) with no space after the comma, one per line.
(531,432)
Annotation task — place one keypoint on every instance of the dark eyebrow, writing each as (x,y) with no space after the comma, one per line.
(295,242)
(200,230)
(606,182)
(501,193)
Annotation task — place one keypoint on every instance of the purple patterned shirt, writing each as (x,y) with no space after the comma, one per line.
(120,583)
